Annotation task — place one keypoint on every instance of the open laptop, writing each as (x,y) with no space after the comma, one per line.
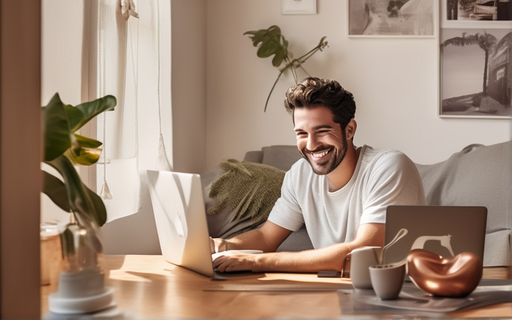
(444,230)
(180,216)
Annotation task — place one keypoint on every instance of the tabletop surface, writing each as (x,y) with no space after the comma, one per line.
(146,286)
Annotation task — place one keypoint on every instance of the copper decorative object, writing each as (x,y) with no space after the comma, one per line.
(444,277)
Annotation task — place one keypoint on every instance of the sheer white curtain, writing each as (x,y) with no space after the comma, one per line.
(132,63)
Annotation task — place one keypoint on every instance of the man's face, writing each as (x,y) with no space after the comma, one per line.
(320,140)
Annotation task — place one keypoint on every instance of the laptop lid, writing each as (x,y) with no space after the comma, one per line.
(180,217)
(444,230)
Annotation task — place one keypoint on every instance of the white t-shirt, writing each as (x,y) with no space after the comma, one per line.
(381,178)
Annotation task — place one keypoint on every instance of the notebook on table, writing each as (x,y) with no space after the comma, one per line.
(443,230)
(180,217)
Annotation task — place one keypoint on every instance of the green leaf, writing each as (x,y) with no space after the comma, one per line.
(56,129)
(87,142)
(83,156)
(84,151)
(270,42)
(84,202)
(279,57)
(55,189)
(90,110)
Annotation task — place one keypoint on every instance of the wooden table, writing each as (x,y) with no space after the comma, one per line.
(146,286)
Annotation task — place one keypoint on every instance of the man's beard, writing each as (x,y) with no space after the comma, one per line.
(324,168)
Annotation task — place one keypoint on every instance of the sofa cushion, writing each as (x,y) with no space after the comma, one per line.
(239,196)
(477,176)
(282,157)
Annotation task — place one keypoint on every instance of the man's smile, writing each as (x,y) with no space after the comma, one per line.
(320,154)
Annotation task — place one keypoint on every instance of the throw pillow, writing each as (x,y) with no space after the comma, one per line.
(245,191)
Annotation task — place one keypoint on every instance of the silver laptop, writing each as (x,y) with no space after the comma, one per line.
(444,230)
(180,217)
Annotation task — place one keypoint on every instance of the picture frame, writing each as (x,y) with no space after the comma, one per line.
(298,7)
(394,19)
(475,47)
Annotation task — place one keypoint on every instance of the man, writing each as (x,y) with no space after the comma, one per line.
(339,191)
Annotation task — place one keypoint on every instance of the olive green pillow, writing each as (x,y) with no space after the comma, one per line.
(245,191)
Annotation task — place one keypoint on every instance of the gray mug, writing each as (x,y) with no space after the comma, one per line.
(360,261)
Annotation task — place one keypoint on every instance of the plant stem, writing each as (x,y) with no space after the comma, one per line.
(271,90)
(294,64)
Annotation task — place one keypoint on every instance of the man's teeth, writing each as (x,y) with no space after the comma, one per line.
(321,154)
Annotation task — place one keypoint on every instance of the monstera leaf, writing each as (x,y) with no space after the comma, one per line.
(271,42)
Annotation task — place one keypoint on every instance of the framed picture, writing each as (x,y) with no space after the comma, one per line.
(392,18)
(298,6)
(475,59)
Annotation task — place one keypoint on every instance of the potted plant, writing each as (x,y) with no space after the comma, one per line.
(271,42)
(81,247)
(64,148)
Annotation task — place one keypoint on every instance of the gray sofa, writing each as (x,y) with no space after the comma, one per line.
(477,175)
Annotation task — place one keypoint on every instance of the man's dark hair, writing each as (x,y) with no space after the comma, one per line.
(314,92)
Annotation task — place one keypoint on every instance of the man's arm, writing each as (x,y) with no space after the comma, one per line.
(328,258)
(267,238)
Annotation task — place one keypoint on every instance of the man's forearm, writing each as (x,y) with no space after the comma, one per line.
(267,238)
(251,240)
(328,258)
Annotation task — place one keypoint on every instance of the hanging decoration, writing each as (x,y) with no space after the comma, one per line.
(105,190)
(163,163)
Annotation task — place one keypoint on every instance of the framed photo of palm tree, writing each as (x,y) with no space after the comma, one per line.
(475,53)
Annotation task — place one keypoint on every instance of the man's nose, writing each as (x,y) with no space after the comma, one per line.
(313,143)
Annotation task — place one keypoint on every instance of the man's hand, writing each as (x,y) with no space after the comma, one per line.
(237,262)
(218,245)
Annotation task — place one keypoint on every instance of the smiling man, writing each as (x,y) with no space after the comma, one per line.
(339,191)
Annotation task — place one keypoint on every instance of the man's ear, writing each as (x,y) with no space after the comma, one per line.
(350,129)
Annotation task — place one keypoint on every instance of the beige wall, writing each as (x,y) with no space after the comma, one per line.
(189,84)
(394,81)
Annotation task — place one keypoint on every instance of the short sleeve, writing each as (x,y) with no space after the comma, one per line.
(287,212)
(393,179)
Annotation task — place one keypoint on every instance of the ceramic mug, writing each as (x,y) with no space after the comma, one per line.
(387,280)
(360,261)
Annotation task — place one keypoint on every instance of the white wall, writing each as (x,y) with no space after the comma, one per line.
(189,84)
(394,82)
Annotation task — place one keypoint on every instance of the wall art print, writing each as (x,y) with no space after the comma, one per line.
(392,18)
(475,59)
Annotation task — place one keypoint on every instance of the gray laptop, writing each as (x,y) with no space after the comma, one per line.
(444,230)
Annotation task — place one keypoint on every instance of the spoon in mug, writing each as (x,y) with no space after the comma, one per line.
(398,236)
